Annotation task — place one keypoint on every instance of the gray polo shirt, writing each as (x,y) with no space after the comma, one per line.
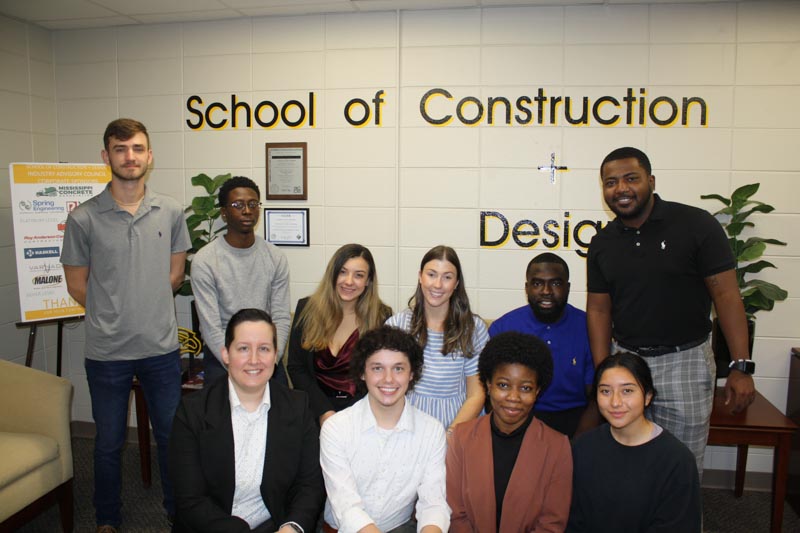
(130,310)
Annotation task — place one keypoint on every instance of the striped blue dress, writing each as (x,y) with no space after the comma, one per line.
(443,388)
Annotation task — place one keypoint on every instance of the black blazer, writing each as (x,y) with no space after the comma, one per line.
(201,462)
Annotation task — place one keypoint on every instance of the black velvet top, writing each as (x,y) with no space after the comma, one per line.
(505,449)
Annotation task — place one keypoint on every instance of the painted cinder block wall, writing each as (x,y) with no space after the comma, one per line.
(405,185)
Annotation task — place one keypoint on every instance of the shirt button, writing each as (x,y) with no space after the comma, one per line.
(638,244)
(638,232)
(548,342)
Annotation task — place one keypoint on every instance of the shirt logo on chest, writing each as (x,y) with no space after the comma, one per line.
(663,245)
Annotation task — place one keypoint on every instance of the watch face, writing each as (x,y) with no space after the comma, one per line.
(746,366)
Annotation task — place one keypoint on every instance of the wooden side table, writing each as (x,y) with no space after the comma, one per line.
(761,424)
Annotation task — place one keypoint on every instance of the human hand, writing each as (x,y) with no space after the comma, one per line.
(740,391)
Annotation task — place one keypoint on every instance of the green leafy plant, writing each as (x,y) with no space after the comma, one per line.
(758,295)
(204,213)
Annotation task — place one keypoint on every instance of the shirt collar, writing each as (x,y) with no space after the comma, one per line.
(234,398)
(107,202)
(368,422)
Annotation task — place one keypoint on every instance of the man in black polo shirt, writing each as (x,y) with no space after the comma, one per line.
(652,275)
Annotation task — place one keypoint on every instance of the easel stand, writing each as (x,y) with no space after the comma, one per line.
(59,339)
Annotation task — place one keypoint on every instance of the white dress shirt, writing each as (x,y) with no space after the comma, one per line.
(375,475)
(250,446)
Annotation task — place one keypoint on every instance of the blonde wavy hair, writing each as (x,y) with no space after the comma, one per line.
(323,312)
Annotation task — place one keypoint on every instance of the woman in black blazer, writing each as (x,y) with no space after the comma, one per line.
(202,447)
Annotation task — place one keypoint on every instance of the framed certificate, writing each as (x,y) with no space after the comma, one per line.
(287,171)
(286,226)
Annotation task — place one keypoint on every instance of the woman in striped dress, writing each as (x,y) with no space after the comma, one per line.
(452,337)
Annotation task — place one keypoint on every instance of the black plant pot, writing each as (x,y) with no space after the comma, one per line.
(719,346)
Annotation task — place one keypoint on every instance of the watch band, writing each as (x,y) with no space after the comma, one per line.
(748,366)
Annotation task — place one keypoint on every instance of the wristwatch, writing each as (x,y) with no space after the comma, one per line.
(748,366)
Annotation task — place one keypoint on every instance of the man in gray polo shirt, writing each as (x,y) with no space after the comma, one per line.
(123,257)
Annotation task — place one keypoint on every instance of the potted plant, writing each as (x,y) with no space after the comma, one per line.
(204,213)
(757,295)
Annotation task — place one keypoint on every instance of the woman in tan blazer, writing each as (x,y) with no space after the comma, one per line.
(507,472)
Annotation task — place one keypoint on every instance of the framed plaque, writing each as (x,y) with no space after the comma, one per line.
(287,171)
(285,226)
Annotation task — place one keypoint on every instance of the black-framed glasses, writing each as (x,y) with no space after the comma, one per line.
(239,205)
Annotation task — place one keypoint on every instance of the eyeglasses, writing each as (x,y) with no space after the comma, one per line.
(239,205)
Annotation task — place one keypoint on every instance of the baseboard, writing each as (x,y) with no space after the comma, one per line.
(725,479)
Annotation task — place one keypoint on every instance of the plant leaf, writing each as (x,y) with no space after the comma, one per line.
(722,199)
(743,193)
(758,266)
(751,252)
(769,290)
(202,180)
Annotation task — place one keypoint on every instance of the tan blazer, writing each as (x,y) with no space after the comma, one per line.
(539,490)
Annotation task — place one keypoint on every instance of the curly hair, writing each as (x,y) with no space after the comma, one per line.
(460,324)
(234,183)
(385,338)
(514,348)
(628,152)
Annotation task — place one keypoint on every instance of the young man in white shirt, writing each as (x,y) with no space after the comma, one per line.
(383,455)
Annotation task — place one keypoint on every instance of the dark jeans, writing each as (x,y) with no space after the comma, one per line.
(110,389)
(213,369)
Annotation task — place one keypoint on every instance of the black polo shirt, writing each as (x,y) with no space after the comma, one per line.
(655,274)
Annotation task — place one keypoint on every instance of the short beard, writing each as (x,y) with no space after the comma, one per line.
(549,316)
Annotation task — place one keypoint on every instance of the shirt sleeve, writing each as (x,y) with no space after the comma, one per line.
(75,249)
(280,304)
(713,251)
(180,234)
(340,483)
(595,281)
(479,339)
(432,508)
(204,287)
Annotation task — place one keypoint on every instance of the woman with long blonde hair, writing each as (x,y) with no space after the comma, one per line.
(327,326)
(452,336)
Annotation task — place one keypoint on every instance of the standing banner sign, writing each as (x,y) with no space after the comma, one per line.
(42,194)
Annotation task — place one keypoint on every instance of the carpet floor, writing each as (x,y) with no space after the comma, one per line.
(142,511)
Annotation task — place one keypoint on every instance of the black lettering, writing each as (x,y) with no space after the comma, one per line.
(378,101)
(528,115)
(584,118)
(235,106)
(596,110)
(503,238)
(553,107)
(349,106)
(548,229)
(459,110)
(284,113)
(540,99)
(519,232)
(210,109)
(423,104)
(194,99)
(490,103)
(673,113)
(275,114)
(629,101)
(687,102)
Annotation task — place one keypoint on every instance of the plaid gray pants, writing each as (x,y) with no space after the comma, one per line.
(684,383)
